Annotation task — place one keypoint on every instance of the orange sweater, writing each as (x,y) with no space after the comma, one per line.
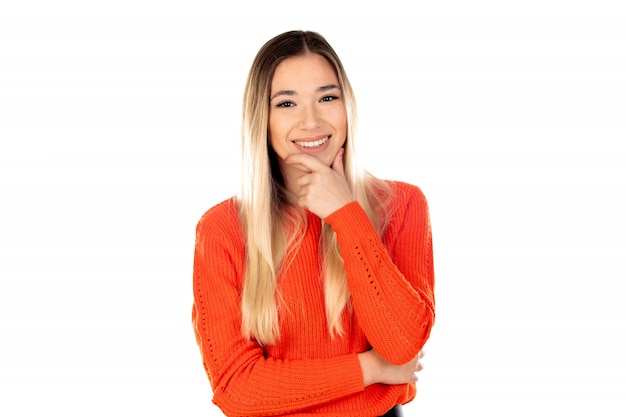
(308,373)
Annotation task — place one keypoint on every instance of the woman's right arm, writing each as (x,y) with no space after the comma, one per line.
(245,382)
(378,370)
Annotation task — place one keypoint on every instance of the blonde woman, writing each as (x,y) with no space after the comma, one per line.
(313,288)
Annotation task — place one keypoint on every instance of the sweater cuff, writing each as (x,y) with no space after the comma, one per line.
(350,217)
(347,376)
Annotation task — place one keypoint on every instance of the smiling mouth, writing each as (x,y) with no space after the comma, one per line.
(312,143)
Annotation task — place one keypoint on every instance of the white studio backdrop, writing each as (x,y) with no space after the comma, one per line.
(119,127)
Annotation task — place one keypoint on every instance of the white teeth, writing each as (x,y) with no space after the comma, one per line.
(311,144)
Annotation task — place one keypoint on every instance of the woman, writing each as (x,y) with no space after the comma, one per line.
(313,289)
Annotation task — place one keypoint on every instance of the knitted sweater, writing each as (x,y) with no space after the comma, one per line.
(308,372)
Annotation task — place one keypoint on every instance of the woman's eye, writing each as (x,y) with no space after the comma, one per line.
(329,98)
(285,104)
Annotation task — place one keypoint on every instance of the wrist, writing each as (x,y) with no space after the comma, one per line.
(368,367)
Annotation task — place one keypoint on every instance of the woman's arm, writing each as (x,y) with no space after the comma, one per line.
(392,285)
(245,382)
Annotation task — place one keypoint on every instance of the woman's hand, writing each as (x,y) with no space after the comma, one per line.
(323,189)
(377,370)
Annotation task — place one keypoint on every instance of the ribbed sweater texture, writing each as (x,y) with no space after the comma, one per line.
(308,372)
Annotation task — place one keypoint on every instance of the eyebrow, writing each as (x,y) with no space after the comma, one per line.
(293,92)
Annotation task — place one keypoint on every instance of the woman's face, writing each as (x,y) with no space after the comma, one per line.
(307,111)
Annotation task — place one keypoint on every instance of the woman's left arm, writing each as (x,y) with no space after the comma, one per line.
(391,280)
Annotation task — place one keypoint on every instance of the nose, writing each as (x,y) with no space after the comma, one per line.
(309,118)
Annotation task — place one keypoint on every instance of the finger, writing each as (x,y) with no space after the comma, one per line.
(310,162)
(420,355)
(303,180)
(418,366)
(337,164)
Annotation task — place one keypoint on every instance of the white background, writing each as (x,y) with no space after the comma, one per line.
(119,127)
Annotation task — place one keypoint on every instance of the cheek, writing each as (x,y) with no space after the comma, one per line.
(272,131)
(339,120)
(341,125)
(276,124)
(276,137)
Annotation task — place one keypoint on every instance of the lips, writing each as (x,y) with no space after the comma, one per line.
(312,143)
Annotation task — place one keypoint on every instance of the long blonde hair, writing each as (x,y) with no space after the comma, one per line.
(270,229)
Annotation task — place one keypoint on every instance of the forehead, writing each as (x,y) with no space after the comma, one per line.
(302,72)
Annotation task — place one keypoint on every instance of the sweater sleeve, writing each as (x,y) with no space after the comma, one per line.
(244,381)
(392,285)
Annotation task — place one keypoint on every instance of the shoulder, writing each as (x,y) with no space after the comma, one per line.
(408,214)
(407,194)
(225,211)
(220,221)
(219,254)
(406,205)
